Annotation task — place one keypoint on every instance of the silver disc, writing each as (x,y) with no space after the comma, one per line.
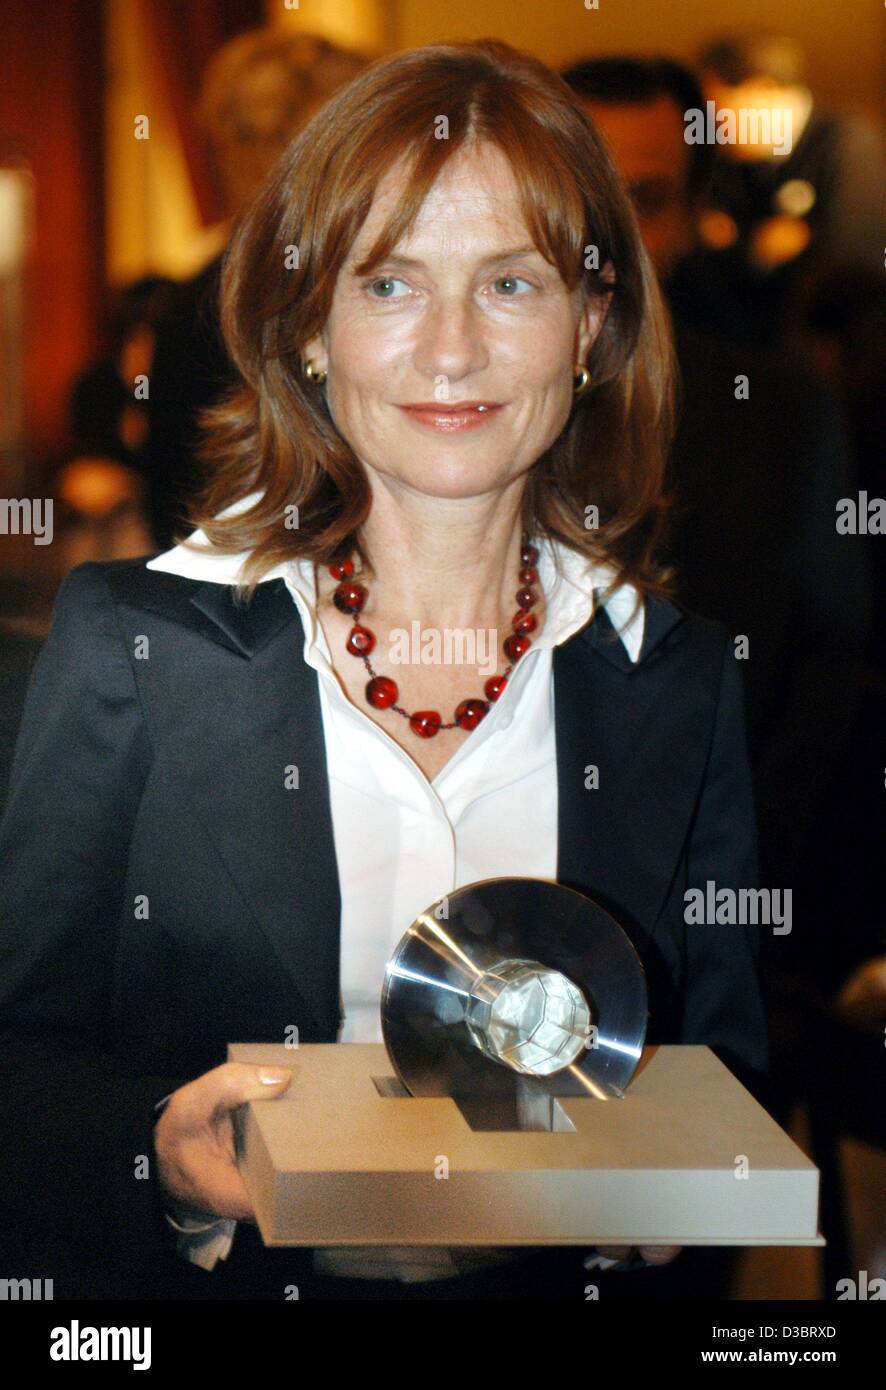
(511,986)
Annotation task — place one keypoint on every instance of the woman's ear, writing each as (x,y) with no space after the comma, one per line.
(594,313)
(314,351)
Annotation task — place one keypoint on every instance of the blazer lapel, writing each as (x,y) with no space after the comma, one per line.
(276,841)
(245,628)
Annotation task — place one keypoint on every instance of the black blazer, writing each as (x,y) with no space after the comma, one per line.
(162,892)
(18,652)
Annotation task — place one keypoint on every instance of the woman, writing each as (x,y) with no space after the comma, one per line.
(231,796)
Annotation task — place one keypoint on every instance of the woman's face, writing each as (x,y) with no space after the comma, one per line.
(466,310)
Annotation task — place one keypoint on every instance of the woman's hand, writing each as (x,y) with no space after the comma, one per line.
(862,1000)
(652,1254)
(194,1137)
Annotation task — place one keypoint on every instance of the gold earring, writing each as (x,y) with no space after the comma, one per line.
(582,380)
(316,378)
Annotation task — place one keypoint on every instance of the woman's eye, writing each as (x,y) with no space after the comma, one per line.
(510,283)
(383,287)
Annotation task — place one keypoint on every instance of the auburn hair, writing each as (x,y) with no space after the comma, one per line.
(273,433)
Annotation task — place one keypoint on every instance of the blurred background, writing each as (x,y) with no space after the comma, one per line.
(131,134)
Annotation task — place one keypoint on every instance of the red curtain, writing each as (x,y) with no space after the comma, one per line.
(51,116)
(52,88)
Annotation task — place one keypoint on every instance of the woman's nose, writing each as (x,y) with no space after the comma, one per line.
(451,342)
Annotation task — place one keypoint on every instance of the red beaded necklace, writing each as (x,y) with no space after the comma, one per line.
(382,693)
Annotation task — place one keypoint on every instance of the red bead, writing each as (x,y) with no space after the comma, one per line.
(524,622)
(515,646)
(494,686)
(470,712)
(529,555)
(528,575)
(526,597)
(425,722)
(360,640)
(349,597)
(342,570)
(381,692)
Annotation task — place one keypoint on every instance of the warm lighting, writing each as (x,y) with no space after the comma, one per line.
(16,207)
(358,24)
(95,487)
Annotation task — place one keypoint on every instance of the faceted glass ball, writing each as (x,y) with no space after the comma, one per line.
(528,1017)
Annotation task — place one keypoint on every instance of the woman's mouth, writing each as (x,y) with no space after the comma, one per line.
(448,417)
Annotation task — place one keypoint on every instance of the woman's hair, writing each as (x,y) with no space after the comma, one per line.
(274,433)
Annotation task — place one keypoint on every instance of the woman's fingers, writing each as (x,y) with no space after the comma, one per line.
(862,999)
(224,1089)
(194,1137)
(660,1254)
(209,1181)
(652,1254)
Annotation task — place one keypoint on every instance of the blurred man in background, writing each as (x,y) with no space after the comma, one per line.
(760,458)
(781,216)
(257,93)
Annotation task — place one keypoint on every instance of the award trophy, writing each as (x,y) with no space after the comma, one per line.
(524,1108)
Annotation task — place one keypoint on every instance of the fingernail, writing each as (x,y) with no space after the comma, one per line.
(273,1078)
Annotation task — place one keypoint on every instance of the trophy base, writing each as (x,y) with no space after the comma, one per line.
(687,1157)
